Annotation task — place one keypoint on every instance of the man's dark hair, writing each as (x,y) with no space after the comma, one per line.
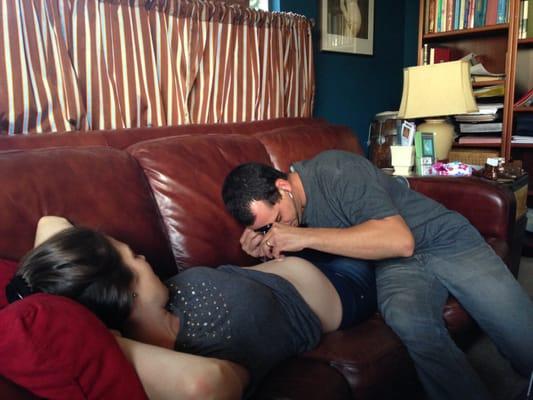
(249,182)
(83,265)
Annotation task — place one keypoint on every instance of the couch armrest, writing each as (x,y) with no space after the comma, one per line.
(490,207)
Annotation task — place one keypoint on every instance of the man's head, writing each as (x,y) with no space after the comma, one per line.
(258,195)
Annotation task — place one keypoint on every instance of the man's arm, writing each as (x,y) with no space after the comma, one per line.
(375,239)
(167,374)
(48,226)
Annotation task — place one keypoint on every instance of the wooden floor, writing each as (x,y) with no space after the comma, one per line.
(498,375)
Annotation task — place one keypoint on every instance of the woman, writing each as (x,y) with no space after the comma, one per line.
(252,317)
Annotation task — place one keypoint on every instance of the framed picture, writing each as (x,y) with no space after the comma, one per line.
(347,26)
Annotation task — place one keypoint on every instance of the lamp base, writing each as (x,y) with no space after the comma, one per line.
(443,131)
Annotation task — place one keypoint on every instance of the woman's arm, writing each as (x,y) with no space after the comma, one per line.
(167,374)
(48,226)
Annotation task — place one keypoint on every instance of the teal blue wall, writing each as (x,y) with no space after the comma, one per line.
(351,88)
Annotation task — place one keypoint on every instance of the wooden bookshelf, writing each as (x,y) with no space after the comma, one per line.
(480,31)
(498,49)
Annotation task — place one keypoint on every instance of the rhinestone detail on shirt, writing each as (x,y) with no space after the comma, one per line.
(204,312)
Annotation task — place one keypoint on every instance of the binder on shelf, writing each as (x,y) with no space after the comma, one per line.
(424,152)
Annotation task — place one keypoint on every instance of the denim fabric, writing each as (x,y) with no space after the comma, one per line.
(354,281)
(411,296)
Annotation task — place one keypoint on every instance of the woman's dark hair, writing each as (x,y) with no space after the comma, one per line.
(249,182)
(83,265)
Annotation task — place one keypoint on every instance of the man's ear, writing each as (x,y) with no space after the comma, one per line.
(283,184)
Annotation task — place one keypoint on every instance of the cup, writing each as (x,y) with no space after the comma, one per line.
(402,159)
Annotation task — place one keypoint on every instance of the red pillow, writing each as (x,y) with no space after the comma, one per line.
(7,270)
(57,349)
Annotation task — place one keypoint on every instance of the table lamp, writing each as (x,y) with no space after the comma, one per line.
(433,92)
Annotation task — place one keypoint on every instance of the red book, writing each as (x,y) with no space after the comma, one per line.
(442,54)
(492,12)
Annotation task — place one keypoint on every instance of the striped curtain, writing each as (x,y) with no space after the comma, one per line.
(70,65)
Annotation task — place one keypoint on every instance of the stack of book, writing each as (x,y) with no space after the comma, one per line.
(479,73)
(449,15)
(483,126)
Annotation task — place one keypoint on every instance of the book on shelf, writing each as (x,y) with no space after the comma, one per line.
(480,13)
(521,139)
(487,78)
(529,29)
(479,139)
(489,112)
(492,12)
(448,15)
(503,8)
(526,100)
(477,69)
(438,55)
(489,91)
(477,118)
(480,127)
(523,19)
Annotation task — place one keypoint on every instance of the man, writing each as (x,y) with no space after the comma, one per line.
(422,252)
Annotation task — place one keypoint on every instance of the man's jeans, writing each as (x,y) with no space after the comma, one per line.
(354,281)
(411,296)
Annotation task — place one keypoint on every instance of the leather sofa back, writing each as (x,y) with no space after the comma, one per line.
(100,187)
(186,175)
(161,196)
(123,138)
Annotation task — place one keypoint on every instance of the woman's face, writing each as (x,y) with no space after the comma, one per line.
(148,288)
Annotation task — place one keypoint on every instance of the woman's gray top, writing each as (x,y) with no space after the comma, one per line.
(253,318)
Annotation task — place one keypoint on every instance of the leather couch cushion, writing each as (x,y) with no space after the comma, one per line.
(367,355)
(99,187)
(57,349)
(186,175)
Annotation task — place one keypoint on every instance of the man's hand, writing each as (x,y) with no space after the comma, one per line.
(282,238)
(252,243)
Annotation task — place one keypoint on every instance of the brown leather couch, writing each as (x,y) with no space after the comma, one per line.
(158,189)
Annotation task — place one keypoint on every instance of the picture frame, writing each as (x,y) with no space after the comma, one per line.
(347,26)
(408,133)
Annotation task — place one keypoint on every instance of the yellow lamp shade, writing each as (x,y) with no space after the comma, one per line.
(437,90)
